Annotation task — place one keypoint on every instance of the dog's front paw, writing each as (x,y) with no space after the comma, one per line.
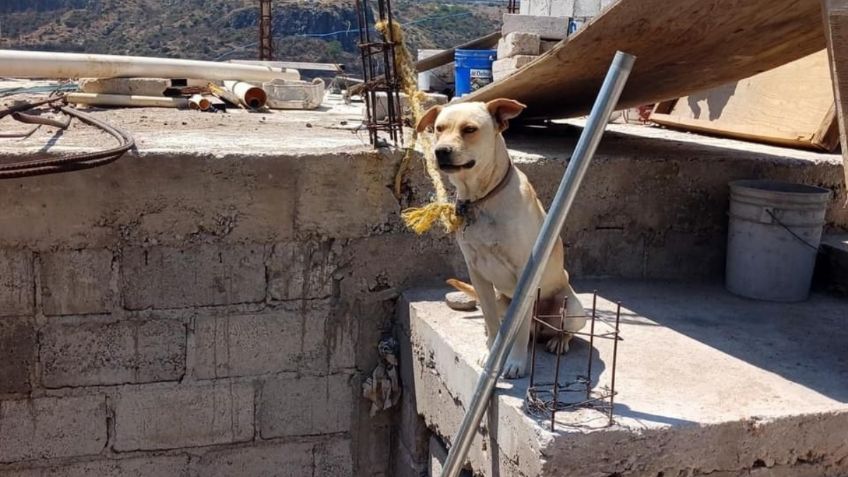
(515,368)
(559,345)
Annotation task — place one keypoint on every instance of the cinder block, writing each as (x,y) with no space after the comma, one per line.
(333,458)
(293,459)
(547,45)
(507,66)
(290,339)
(350,205)
(76,282)
(548,28)
(199,275)
(16,283)
(587,8)
(158,466)
(302,270)
(518,43)
(306,405)
(561,8)
(46,428)
(17,354)
(183,416)
(430,99)
(96,353)
(131,86)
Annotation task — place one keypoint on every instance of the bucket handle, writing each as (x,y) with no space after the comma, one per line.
(775,219)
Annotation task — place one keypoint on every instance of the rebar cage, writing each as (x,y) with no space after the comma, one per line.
(545,399)
(380,72)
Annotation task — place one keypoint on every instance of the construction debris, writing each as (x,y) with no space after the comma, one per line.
(284,94)
(383,387)
(248,94)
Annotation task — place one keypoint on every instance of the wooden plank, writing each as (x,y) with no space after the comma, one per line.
(835,19)
(791,105)
(682,46)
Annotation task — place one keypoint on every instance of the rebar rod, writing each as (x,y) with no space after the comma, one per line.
(531,276)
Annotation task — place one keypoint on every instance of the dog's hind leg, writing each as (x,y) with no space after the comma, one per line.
(575,319)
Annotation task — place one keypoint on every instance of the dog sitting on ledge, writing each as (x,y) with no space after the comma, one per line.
(501,219)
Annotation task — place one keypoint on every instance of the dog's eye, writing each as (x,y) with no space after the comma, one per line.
(440,128)
(469,130)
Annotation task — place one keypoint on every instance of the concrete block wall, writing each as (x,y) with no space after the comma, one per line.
(192,314)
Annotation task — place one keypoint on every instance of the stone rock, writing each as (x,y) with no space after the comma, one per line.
(460,301)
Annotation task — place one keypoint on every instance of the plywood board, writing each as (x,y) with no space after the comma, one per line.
(791,105)
(682,46)
(835,19)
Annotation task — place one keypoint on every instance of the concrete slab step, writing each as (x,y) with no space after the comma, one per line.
(707,382)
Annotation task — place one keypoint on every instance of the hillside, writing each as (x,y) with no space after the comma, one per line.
(323,31)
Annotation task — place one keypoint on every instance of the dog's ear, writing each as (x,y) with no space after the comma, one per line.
(503,109)
(428,119)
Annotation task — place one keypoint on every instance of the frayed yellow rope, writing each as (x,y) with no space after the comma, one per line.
(422,219)
(419,219)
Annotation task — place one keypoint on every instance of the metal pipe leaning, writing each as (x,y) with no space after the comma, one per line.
(42,64)
(530,277)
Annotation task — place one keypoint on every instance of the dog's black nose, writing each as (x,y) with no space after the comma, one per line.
(443,155)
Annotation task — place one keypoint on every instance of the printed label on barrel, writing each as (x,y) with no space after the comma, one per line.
(480,78)
(575,23)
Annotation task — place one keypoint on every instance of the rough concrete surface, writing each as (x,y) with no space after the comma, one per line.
(48,427)
(707,383)
(167,417)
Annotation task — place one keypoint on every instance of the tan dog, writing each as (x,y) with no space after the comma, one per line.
(502,218)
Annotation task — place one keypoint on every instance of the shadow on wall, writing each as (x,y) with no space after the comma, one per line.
(715,99)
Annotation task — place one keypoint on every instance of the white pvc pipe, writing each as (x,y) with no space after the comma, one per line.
(97,99)
(40,64)
(250,95)
(197,101)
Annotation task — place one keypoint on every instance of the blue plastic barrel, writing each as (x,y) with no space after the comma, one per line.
(473,69)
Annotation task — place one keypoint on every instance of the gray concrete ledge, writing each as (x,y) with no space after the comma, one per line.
(708,383)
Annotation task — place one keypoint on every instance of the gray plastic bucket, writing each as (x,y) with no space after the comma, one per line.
(773,238)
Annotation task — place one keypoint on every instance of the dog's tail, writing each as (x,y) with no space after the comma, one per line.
(466,288)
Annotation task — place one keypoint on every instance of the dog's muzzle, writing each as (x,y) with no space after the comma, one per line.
(444,159)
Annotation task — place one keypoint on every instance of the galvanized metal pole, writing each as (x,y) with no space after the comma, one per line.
(532,273)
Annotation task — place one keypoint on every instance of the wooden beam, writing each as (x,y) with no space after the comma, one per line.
(835,17)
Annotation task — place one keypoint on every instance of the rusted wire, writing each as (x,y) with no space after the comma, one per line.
(73,162)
